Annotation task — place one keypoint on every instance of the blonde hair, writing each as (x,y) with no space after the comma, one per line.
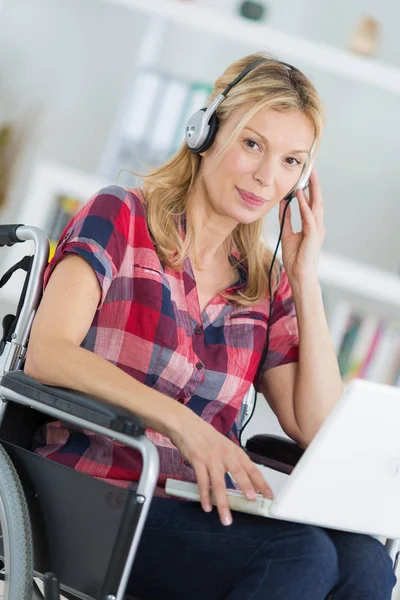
(269,85)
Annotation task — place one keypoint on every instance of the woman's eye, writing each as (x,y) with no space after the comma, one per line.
(293,160)
(249,144)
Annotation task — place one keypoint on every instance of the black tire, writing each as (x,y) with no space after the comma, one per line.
(16,535)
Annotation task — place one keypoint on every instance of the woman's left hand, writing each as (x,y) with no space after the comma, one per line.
(300,251)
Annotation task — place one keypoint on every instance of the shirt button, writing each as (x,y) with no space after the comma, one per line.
(181,400)
(198,329)
(199,366)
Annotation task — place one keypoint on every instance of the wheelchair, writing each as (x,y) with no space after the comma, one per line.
(77,534)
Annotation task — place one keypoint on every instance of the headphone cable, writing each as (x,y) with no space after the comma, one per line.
(257,377)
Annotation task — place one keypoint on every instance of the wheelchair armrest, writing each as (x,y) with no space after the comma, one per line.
(77,404)
(274,452)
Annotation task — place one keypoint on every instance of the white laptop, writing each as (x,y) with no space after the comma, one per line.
(349,476)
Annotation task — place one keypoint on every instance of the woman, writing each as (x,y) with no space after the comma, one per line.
(157,299)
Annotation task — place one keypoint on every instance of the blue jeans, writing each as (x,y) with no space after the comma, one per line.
(186,554)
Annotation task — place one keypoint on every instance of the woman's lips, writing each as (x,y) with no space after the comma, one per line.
(250,199)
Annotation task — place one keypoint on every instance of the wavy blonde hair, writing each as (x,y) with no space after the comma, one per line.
(269,85)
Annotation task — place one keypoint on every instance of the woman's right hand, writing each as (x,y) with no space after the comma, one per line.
(211,454)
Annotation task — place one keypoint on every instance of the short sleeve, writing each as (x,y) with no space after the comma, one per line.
(98,233)
(284,334)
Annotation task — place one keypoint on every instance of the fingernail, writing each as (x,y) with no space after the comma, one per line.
(208,508)
(251,495)
(227,519)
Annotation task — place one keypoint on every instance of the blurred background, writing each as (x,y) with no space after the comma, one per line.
(92,89)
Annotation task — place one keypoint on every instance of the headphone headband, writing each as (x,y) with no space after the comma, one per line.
(252,66)
(202,127)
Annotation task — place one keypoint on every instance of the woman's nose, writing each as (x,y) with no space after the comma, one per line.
(265,173)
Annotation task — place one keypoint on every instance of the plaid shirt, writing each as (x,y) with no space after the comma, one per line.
(148,324)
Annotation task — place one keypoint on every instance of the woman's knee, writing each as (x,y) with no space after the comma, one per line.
(372,568)
(366,570)
(322,551)
(313,549)
(300,562)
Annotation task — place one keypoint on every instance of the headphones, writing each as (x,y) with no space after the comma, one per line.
(200,133)
(203,125)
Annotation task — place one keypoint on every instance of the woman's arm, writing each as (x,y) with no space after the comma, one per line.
(54,357)
(303,394)
(318,384)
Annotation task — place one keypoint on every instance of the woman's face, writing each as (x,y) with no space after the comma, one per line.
(260,167)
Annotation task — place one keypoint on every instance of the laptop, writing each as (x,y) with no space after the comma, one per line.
(349,476)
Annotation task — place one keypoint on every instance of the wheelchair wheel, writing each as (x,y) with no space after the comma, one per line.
(16,555)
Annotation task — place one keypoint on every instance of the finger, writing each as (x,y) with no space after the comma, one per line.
(287,230)
(257,479)
(317,204)
(252,482)
(243,480)
(310,220)
(306,214)
(203,482)
(217,476)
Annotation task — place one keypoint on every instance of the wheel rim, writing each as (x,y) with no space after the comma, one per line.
(4,553)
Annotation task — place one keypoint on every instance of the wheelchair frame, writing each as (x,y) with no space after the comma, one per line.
(80,411)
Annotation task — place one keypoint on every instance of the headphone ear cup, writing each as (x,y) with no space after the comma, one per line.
(212,132)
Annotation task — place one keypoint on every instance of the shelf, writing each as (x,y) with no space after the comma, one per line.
(283,45)
(360,279)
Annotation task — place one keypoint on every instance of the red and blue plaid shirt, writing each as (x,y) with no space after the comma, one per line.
(148,324)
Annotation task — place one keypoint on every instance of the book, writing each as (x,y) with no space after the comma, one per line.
(384,355)
(349,339)
(146,91)
(131,150)
(197,98)
(372,349)
(65,208)
(160,133)
(394,370)
(362,343)
(338,323)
